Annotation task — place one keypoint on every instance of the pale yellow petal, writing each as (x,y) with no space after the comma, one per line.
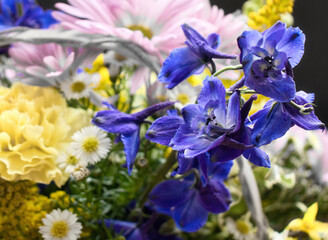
(295,225)
(314,235)
(311,213)
(321,227)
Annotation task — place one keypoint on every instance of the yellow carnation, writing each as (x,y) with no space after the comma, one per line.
(35,125)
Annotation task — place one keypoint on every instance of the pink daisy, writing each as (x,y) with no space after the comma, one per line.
(155,25)
(46,64)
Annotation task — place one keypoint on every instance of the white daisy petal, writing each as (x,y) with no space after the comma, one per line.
(90,144)
(80,85)
(63,226)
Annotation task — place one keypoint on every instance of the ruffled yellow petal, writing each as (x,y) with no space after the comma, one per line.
(35,124)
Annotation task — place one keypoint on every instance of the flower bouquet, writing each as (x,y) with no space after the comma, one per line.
(154,119)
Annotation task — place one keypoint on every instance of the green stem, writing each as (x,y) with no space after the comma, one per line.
(237,67)
(245,91)
(158,176)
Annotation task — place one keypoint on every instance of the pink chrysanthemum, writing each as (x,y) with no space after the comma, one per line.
(46,64)
(154,25)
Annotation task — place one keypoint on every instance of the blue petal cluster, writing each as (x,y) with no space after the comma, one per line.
(276,118)
(188,201)
(210,126)
(148,229)
(268,59)
(128,126)
(186,61)
(24,13)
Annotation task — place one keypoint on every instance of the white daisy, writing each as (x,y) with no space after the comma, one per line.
(90,144)
(184,94)
(80,85)
(67,162)
(60,225)
(241,229)
(116,59)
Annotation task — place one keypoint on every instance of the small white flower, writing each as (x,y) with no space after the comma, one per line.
(67,162)
(90,144)
(184,94)
(80,172)
(80,85)
(60,225)
(241,229)
(118,60)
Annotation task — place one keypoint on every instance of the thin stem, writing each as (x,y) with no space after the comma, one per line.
(157,177)
(213,70)
(237,67)
(245,91)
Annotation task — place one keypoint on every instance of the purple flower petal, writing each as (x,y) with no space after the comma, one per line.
(224,154)
(131,146)
(190,215)
(180,64)
(142,115)
(292,44)
(306,121)
(163,129)
(233,113)
(282,90)
(213,90)
(214,40)
(115,122)
(271,124)
(215,197)
(171,193)
(257,157)
(202,146)
(219,171)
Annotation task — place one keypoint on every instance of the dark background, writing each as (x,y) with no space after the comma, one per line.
(311,72)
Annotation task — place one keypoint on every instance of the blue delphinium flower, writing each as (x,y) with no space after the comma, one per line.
(276,118)
(210,126)
(188,201)
(128,126)
(186,61)
(268,59)
(149,228)
(24,13)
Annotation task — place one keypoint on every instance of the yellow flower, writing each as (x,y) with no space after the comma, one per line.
(104,88)
(35,124)
(261,18)
(21,210)
(309,225)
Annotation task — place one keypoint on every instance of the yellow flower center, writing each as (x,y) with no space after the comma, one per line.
(90,144)
(78,86)
(145,30)
(72,160)
(59,229)
(242,227)
(183,98)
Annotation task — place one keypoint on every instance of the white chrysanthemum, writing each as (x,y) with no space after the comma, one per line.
(90,144)
(60,225)
(184,94)
(113,58)
(80,85)
(241,229)
(67,162)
